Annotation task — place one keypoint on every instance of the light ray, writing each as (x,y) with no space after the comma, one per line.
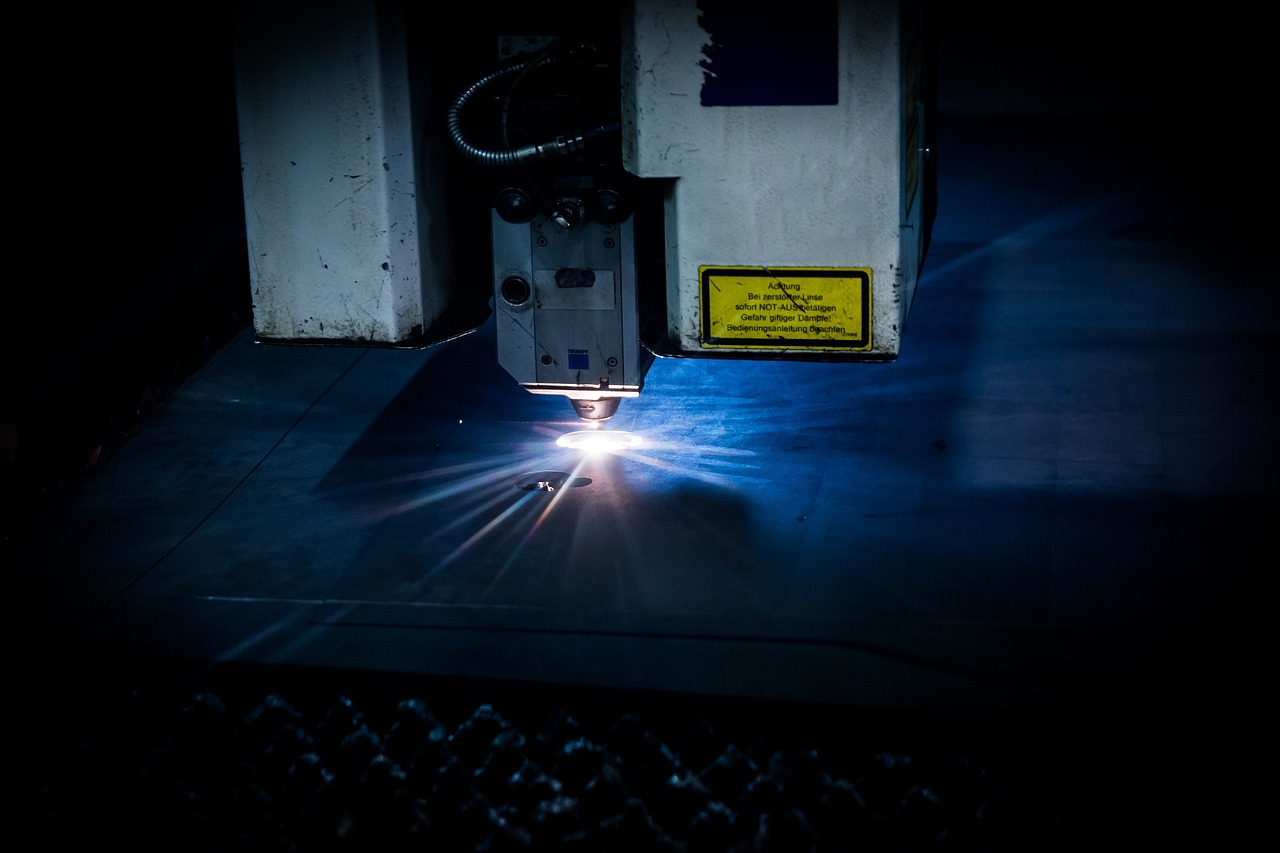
(556,497)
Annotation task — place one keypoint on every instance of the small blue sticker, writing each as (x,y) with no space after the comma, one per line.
(578,360)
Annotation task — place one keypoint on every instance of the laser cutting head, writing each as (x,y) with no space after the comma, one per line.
(596,410)
(565,309)
(564,211)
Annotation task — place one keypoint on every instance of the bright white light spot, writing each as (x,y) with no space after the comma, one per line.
(599,440)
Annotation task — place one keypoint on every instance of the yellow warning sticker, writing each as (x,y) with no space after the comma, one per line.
(808,308)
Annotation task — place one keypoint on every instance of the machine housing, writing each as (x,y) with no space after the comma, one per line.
(662,178)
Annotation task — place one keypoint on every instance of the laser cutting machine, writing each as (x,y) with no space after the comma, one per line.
(610,183)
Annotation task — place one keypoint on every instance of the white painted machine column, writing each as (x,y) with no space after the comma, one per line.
(795,220)
(341,209)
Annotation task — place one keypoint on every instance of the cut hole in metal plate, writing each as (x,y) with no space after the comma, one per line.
(549,481)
